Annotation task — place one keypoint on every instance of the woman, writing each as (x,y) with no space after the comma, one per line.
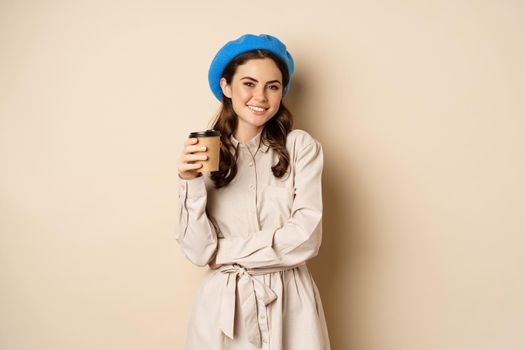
(257,220)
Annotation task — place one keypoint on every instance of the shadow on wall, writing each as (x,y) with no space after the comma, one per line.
(333,268)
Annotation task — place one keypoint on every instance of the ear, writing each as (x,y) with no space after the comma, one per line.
(226,89)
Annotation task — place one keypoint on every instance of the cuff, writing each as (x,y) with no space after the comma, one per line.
(232,249)
(192,188)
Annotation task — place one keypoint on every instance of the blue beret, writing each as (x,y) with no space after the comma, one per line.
(243,44)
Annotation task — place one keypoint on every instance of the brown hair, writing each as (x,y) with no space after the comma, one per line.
(273,134)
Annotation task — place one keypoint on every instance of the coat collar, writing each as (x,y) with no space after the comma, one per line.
(253,145)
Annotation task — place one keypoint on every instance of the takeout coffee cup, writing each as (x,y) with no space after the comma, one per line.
(212,140)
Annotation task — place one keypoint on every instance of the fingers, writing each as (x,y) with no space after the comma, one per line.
(189,167)
(191,146)
(192,153)
(194,148)
(213,265)
(191,157)
(191,141)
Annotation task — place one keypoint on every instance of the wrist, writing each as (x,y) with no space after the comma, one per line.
(186,177)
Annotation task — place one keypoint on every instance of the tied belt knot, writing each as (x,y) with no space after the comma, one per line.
(250,290)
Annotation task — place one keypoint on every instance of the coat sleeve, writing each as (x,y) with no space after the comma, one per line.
(299,238)
(196,233)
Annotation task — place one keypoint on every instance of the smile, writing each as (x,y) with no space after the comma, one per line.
(257,109)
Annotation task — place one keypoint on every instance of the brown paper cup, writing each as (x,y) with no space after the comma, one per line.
(212,140)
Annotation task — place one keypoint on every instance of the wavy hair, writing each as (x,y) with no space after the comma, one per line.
(274,132)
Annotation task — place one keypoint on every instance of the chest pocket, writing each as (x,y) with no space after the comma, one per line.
(276,204)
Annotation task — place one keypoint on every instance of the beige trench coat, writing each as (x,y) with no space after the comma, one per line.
(262,230)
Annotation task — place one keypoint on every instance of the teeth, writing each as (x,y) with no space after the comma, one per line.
(258,109)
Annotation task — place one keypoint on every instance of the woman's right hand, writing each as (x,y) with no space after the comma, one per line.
(187,162)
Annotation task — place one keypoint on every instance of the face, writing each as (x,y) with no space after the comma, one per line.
(256,91)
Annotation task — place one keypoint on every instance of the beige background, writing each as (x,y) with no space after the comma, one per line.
(419,106)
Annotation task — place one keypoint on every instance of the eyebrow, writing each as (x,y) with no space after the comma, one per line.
(270,82)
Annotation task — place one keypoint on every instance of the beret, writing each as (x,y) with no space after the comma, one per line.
(245,43)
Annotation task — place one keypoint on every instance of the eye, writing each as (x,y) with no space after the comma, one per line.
(248,83)
(274,87)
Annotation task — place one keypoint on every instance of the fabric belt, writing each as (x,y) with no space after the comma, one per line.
(250,290)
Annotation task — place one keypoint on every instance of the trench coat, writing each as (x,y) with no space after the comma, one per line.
(260,230)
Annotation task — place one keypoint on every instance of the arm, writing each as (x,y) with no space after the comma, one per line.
(299,238)
(196,234)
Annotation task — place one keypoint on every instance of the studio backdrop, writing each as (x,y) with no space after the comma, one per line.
(419,106)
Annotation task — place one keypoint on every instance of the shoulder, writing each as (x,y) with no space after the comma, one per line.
(302,145)
(298,140)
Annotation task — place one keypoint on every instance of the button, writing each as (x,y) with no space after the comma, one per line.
(252,187)
(263,316)
(265,341)
(250,164)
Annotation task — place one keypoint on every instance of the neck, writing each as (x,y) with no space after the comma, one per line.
(246,134)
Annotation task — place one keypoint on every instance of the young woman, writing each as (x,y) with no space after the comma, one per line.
(257,220)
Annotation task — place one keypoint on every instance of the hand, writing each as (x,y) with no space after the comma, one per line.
(187,162)
(213,265)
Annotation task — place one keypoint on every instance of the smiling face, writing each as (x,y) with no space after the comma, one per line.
(256,91)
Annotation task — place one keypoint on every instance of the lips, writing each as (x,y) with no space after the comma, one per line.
(257,108)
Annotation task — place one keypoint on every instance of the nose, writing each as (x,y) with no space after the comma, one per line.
(259,93)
